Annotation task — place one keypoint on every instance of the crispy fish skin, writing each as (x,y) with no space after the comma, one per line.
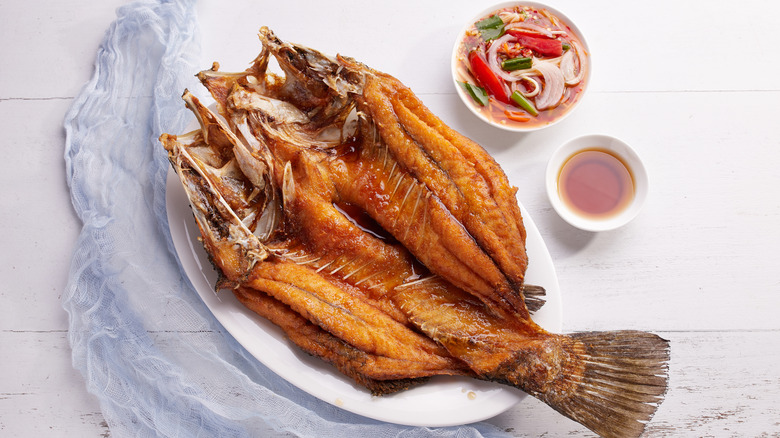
(317,342)
(339,309)
(487,257)
(370,346)
(440,241)
(365,177)
(382,184)
(320,267)
(440,165)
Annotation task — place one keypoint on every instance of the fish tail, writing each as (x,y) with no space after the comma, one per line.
(614,381)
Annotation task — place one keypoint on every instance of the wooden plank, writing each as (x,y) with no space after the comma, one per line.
(39,231)
(51,47)
(722,384)
(676,46)
(41,394)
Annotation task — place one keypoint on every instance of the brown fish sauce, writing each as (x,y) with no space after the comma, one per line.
(595,183)
(364,221)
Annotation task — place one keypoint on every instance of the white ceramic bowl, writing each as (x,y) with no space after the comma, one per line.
(469,102)
(616,147)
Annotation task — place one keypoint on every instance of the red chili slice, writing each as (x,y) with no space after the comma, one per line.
(485,76)
(543,46)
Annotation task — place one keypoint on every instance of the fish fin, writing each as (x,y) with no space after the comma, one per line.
(269,220)
(620,380)
(533,296)
(288,186)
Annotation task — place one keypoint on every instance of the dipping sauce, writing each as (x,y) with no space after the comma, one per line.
(595,184)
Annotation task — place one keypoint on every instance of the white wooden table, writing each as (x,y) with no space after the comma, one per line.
(693,85)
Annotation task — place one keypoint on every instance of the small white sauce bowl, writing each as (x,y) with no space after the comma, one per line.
(469,102)
(617,147)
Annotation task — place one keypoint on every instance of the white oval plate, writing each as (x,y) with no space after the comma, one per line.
(442,401)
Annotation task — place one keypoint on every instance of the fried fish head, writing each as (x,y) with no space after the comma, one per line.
(318,84)
(231,192)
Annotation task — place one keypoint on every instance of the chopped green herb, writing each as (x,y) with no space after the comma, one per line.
(491,34)
(516,64)
(565,47)
(491,22)
(477,93)
(524,103)
(491,27)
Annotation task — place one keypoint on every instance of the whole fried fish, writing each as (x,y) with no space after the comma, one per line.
(335,204)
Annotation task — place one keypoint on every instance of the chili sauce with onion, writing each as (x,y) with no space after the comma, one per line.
(508,59)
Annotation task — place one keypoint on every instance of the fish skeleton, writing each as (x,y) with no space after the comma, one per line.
(335,204)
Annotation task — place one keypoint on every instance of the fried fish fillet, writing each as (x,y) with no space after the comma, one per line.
(321,313)
(375,373)
(413,173)
(433,285)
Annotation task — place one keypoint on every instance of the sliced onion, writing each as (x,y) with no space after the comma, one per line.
(569,65)
(533,28)
(492,58)
(509,17)
(552,92)
(537,88)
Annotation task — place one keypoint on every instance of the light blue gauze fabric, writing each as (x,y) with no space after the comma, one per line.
(147,346)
